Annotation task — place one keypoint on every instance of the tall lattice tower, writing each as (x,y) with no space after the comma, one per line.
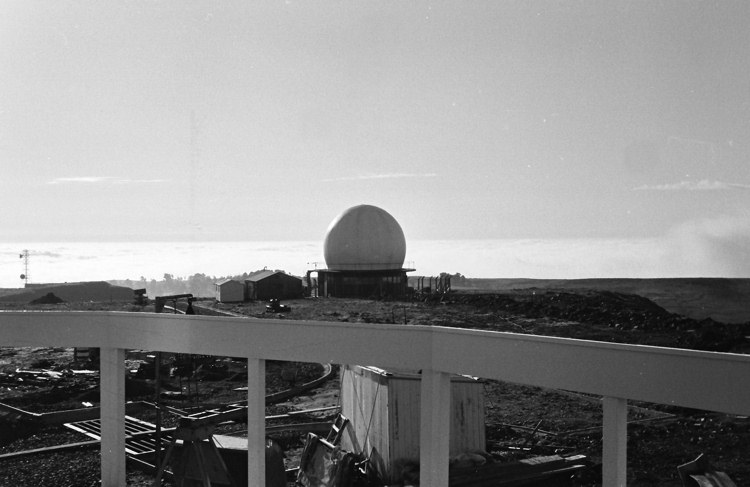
(25,276)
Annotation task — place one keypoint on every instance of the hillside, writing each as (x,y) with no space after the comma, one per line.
(722,299)
(69,292)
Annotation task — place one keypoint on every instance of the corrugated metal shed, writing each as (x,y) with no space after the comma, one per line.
(383,408)
(272,285)
(229,291)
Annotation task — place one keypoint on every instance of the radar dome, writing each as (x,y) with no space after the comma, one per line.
(364,237)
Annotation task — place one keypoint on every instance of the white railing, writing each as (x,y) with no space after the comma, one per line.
(701,380)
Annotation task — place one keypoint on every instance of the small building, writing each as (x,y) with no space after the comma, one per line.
(229,291)
(263,285)
(383,408)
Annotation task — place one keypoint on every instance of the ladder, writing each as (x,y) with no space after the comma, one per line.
(337,429)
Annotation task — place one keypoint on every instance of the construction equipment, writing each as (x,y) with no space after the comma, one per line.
(161,301)
(200,462)
(276,307)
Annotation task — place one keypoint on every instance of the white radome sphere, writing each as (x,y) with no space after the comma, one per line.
(364,237)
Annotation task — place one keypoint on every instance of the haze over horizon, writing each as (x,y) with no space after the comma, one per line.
(541,120)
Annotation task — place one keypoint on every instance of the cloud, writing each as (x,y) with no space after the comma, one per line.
(83,179)
(712,246)
(102,180)
(138,181)
(364,177)
(54,255)
(702,185)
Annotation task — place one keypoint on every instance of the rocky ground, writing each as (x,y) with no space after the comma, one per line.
(520,420)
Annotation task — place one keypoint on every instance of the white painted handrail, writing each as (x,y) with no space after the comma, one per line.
(701,380)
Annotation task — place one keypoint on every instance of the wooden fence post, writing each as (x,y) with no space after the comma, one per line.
(434,431)
(112,387)
(256,421)
(614,442)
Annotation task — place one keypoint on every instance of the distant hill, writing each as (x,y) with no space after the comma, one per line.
(70,292)
(723,299)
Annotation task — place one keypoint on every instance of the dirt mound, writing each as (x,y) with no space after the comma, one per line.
(620,311)
(48,298)
(723,299)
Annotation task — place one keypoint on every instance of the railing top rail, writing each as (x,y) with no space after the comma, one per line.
(697,379)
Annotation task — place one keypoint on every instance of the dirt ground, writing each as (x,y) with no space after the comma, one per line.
(662,437)
(521,421)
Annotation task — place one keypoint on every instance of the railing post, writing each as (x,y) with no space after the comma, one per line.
(256,421)
(434,431)
(615,441)
(112,387)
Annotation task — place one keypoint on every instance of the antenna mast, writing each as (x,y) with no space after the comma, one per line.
(25,276)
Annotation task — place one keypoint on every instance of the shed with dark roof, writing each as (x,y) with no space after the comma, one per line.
(267,284)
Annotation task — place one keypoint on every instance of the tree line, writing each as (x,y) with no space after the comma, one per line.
(199,285)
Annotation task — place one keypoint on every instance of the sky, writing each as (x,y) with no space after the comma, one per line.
(197,121)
